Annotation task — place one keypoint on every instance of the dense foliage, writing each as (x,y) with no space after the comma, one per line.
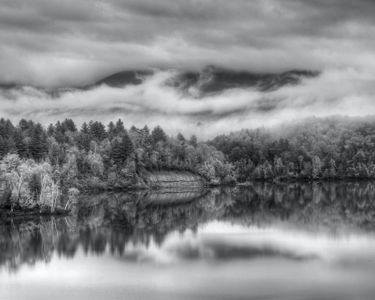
(35,160)
(39,164)
(334,148)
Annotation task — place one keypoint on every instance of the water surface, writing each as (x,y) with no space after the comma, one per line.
(290,241)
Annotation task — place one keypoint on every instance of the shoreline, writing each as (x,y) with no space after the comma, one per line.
(18,212)
(36,211)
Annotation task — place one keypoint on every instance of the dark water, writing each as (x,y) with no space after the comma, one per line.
(262,242)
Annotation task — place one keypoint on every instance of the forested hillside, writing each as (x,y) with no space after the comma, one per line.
(41,164)
(333,148)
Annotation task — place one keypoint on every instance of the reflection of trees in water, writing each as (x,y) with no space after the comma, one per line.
(28,242)
(313,204)
(101,222)
(116,221)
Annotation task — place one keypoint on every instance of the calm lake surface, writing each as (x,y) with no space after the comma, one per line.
(290,241)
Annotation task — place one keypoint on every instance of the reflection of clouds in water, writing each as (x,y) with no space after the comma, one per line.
(224,242)
(334,92)
(106,278)
(251,251)
(138,229)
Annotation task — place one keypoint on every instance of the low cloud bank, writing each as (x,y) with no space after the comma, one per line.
(335,92)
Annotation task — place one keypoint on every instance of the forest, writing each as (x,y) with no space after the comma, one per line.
(314,149)
(45,165)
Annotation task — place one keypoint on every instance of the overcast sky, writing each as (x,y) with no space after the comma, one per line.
(55,42)
(73,42)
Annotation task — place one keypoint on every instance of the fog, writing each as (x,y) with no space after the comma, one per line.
(49,44)
(334,92)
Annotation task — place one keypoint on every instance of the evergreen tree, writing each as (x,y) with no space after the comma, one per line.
(181,138)
(146,138)
(111,130)
(193,141)
(38,143)
(3,147)
(50,130)
(97,131)
(83,141)
(21,145)
(121,150)
(146,130)
(158,135)
(68,125)
(120,129)
(23,125)
(128,145)
(85,128)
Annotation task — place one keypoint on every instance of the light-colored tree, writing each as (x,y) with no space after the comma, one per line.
(316,167)
(96,164)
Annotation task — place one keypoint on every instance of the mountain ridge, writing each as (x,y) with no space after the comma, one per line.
(212,80)
(208,81)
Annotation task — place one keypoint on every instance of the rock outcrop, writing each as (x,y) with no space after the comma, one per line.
(173,180)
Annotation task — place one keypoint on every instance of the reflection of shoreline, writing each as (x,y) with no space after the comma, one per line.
(171,196)
(120,222)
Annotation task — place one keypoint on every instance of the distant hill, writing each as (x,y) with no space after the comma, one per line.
(212,80)
(208,81)
(124,78)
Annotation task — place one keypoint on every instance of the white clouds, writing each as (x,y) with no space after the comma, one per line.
(348,92)
(69,43)
(48,42)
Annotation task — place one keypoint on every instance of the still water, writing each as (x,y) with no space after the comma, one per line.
(290,241)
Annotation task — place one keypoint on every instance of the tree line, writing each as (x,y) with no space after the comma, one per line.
(315,149)
(41,164)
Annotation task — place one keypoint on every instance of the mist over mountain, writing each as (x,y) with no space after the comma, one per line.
(208,81)
(212,80)
(203,67)
(124,78)
(206,103)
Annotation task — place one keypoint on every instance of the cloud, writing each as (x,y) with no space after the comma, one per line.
(49,43)
(153,103)
(67,43)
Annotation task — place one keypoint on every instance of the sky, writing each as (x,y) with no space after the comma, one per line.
(51,43)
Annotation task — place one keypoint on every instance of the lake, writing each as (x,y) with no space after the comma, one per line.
(265,241)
